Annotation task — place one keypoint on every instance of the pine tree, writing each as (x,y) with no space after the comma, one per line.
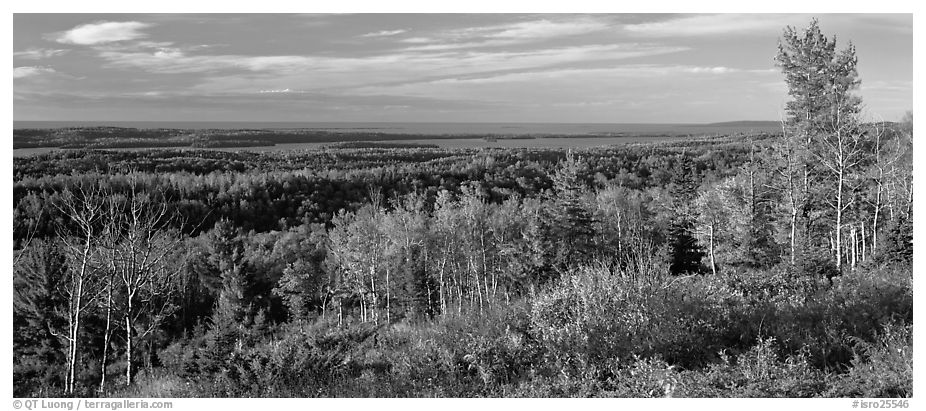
(570,221)
(823,115)
(685,254)
(300,286)
(231,314)
(898,243)
(37,354)
(228,258)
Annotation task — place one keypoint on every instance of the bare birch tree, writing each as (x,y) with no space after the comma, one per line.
(84,208)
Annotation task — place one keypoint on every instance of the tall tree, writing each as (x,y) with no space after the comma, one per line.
(232,310)
(684,252)
(85,210)
(571,221)
(38,273)
(303,282)
(824,113)
(146,262)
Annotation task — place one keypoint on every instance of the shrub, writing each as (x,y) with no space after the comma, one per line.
(883,368)
(593,316)
(760,372)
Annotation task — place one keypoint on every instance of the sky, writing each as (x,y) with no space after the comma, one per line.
(538,68)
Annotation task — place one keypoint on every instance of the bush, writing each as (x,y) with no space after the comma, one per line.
(630,333)
(880,369)
(760,372)
(593,316)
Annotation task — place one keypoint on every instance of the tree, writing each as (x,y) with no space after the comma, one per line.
(712,219)
(356,247)
(85,208)
(900,172)
(38,273)
(621,218)
(304,279)
(146,263)
(674,208)
(824,113)
(571,223)
(787,162)
(406,233)
(232,310)
(475,239)
(444,233)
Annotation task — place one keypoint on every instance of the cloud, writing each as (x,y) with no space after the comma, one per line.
(402,66)
(168,60)
(38,54)
(418,40)
(385,33)
(29,71)
(103,32)
(541,29)
(632,71)
(507,34)
(715,24)
(726,70)
(607,86)
(711,70)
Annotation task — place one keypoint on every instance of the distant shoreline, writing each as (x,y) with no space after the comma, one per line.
(69,136)
(401,127)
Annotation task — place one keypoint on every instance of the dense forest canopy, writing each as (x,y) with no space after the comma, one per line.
(109,137)
(741,265)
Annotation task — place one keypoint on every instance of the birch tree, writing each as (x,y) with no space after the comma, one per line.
(824,112)
(85,208)
(146,263)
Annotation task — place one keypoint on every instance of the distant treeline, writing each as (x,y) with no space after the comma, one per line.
(122,137)
(369,144)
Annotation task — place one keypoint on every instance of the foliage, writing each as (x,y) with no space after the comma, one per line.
(714,267)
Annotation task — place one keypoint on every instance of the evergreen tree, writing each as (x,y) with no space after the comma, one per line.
(570,221)
(898,244)
(37,307)
(228,258)
(302,282)
(823,117)
(231,314)
(684,252)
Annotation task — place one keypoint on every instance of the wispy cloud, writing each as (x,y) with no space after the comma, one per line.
(38,54)
(508,34)
(726,70)
(30,71)
(632,71)
(614,88)
(385,33)
(529,30)
(343,71)
(103,32)
(708,25)
(176,60)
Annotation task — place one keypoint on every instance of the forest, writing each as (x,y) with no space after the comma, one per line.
(129,137)
(747,265)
